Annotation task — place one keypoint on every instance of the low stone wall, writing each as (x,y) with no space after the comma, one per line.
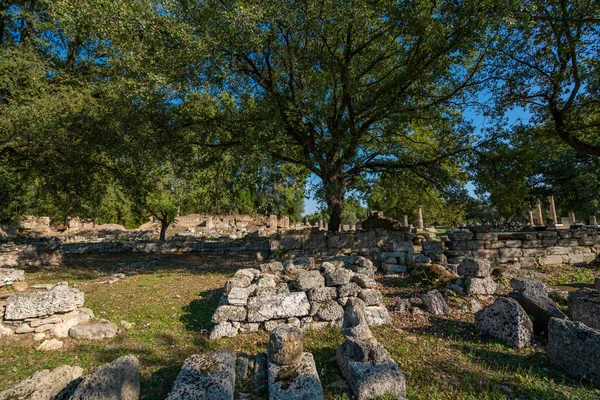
(363,242)
(31,253)
(525,249)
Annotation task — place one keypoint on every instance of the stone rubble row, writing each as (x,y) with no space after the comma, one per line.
(297,294)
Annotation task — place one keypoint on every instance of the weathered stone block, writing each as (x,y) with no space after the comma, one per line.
(369,380)
(42,385)
(119,379)
(575,348)
(309,279)
(229,313)
(298,381)
(435,303)
(480,286)
(506,321)
(321,294)
(288,305)
(371,297)
(206,377)
(474,267)
(377,315)
(285,345)
(532,295)
(584,306)
(340,240)
(338,277)
(59,299)
(330,311)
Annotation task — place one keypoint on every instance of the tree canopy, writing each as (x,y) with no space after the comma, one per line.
(118,110)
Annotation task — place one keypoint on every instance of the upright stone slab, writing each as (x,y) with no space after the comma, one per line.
(206,377)
(584,306)
(285,345)
(367,366)
(506,321)
(575,348)
(59,299)
(292,374)
(435,303)
(118,380)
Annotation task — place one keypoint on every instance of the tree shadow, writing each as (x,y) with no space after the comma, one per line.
(198,313)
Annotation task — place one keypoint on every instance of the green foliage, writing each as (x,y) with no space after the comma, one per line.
(532,164)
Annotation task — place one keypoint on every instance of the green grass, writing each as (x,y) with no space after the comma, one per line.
(171,299)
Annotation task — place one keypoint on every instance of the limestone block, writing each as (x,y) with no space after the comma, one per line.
(229,313)
(474,267)
(309,279)
(370,380)
(98,331)
(371,297)
(224,329)
(376,315)
(288,305)
(348,290)
(43,385)
(59,299)
(321,294)
(364,281)
(206,377)
(584,306)
(435,303)
(285,345)
(532,295)
(575,348)
(480,286)
(238,296)
(337,277)
(298,381)
(506,321)
(330,311)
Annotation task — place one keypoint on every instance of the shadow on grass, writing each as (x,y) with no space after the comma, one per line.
(198,314)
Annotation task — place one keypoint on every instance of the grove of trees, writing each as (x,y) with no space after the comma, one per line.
(119,110)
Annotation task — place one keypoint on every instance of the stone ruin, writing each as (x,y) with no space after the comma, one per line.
(367,366)
(119,379)
(297,293)
(291,373)
(55,311)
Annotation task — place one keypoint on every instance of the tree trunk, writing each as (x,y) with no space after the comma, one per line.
(164,224)
(335,190)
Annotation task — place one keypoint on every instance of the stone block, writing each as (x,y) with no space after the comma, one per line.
(119,379)
(223,329)
(229,313)
(321,294)
(364,281)
(340,240)
(480,286)
(532,295)
(474,267)
(206,377)
(435,303)
(553,260)
(371,297)
(59,299)
(309,279)
(338,277)
(294,304)
(370,380)
(98,331)
(506,321)
(45,384)
(285,345)
(376,315)
(584,306)
(365,239)
(295,382)
(575,348)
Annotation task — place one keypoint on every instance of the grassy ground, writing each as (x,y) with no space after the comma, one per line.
(171,299)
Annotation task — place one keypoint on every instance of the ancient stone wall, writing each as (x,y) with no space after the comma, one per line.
(525,249)
(31,253)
